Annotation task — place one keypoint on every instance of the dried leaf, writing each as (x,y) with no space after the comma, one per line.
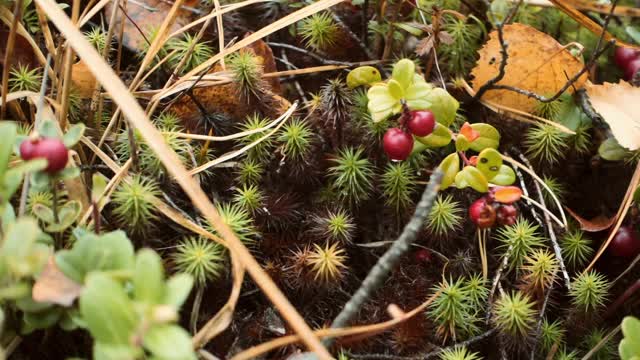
(536,62)
(618,106)
(54,287)
(508,194)
(147,15)
(596,224)
(83,80)
(22,50)
(445,38)
(424,46)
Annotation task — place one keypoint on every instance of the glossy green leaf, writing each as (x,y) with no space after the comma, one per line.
(381,104)
(169,342)
(403,72)
(629,347)
(450,167)
(99,185)
(462,143)
(178,288)
(363,75)
(8,135)
(438,138)
(472,177)
(48,129)
(17,245)
(106,351)
(443,105)
(489,137)
(489,163)
(148,279)
(410,28)
(43,213)
(416,94)
(395,89)
(108,312)
(73,135)
(506,176)
(611,150)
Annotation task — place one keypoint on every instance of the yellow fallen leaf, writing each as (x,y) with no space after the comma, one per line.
(537,62)
(83,80)
(618,106)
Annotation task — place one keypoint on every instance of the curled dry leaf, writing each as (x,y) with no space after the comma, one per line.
(618,106)
(596,224)
(55,287)
(147,15)
(536,62)
(83,80)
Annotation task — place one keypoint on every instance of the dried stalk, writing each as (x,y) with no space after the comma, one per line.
(11,41)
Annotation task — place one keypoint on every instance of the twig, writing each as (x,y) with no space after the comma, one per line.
(585,104)
(495,282)
(600,344)
(622,299)
(541,319)
(392,256)
(313,55)
(501,69)
(353,36)
(8,55)
(552,235)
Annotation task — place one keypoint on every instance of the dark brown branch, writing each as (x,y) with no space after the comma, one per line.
(501,69)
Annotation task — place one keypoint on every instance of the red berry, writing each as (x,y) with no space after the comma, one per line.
(626,243)
(54,151)
(631,69)
(482,213)
(28,149)
(397,144)
(421,122)
(623,56)
(507,214)
(423,256)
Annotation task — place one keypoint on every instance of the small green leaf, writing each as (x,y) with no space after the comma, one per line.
(438,138)
(443,105)
(178,289)
(410,28)
(403,72)
(395,89)
(8,135)
(169,342)
(629,347)
(489,137)
(105,351)
(148,279)
(43,213)
(67,215)
(506,176)
(363,75)
(611,150)
(472,177)
(489,163)
(19,239)
(49,129)
(450,167)
(73,135)
(462,143)
(108,312)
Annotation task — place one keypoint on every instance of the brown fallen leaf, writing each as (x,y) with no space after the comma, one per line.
(596,224)
(226,100)
(537,62)
(83,80)
(618,106)
(54,287)
(22,51)
(147,15)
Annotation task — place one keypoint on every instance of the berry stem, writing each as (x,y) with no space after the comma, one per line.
(465,160)
(54,203)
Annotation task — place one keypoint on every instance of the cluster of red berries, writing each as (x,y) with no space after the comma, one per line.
(485,212)
(398,143)
(51,149)
(626,243)
(628,60)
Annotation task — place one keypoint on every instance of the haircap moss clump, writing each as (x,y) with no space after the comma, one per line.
(249,172)
(558,189)
(44,198)
(445,216)
(249,197)
(576,248)
(263,151)
(352,175)
(551,333)
(539,271)
(514,315)
(334,226)
(133,203)
(200,53)
(546,143)
(398,184)
(522,237)
(607,350)
(452,311)
(296,138)
(201,258)
(458,353)
(476,287)
(589,291)
(238,219)
(97,37)
(319,31)
(21,78)
(328,263)
(246,70)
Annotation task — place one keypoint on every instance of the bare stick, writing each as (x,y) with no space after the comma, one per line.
(390,259)
(17,13)
(501,69)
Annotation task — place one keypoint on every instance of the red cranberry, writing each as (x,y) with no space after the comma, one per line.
(397,144)
(421,122)
(626,243)
(54,151)
(28,148)
(423,256)
(482,213)
(506,215)
(631,69)
(623,56)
